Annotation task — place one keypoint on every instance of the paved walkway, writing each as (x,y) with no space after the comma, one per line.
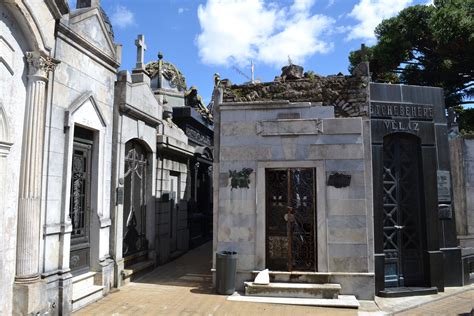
(184,287)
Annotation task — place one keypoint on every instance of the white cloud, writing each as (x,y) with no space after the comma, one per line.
(236,31)
(370,13)
(122,17)
(330,3)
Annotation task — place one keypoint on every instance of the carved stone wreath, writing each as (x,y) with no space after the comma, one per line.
(240,179)
(170,72)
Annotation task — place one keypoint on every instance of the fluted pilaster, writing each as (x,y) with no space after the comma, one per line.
(29,205)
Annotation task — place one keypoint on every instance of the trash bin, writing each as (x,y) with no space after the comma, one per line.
(226,265)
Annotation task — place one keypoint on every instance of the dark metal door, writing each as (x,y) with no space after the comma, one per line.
(174,211)
(402,205)
(79,208)
(135,188)
(290,219)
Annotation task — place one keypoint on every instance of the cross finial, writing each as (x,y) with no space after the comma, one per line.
(141,47)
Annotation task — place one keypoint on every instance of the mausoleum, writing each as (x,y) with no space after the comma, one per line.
(335,180)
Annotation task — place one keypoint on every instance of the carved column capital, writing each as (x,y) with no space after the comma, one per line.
(40,65)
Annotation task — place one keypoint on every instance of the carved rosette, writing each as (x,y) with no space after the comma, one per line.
(40,65)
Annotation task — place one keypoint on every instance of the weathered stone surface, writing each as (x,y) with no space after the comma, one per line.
(245,153)
(342,126)
(341,151)
(289,127)
(348,94)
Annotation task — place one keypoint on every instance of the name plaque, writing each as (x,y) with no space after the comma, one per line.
(405,110)
(444,186)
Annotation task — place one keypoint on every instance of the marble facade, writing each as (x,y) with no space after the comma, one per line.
(266,135)
(59,78)
(339,127)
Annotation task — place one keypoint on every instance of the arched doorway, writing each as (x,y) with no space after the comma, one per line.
(403,215)
(136,182)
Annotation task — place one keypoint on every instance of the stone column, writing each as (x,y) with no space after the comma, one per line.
(29,204)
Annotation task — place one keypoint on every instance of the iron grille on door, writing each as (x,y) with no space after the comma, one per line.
(135,200)
(79,208)
(402,203)
(290,218)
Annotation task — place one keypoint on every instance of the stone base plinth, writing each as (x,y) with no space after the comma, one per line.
(30,298)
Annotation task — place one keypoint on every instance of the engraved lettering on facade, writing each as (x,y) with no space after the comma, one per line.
(399,126)
(412,111)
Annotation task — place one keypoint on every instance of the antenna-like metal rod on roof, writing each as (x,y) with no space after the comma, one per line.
(252,71)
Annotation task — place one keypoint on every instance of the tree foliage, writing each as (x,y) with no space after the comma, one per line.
(466,121)
(426,45)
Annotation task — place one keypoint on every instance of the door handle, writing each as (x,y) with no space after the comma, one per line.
(398,227)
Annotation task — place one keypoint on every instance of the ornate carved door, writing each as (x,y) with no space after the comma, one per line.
(79,208)
(402,206)
(134,210)
(290,219)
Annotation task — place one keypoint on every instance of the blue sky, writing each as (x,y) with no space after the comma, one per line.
(202,37)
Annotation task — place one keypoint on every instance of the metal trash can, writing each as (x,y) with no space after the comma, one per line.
(226,265)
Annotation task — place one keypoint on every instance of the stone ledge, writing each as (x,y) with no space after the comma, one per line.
(347,301)
(293,290)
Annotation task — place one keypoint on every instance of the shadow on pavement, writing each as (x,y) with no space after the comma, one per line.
(192,270)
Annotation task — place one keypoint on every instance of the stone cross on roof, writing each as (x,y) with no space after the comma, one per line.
(141,47)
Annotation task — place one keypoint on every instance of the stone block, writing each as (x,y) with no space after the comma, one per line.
(289,127)
(242,128)
(346,207)
(352,192)
(385,92)
(347,257)
(331,139)
(342,151)
(30,299)
(344,165)
(245,153)
(348,264)
(362,286)
(342,126)
(232,116)
(347,229)
(245,262)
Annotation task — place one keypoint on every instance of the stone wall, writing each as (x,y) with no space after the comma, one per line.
(13,71)
(261,135)
(168,165)
(462,173)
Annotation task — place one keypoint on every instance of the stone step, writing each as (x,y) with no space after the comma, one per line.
(86,296)
(83,281)
(137,269)
(407,291)
(291,290)
(298,277)
(136,258)
(343,301)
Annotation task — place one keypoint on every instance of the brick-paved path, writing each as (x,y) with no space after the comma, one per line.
(184,287)
(459,304)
